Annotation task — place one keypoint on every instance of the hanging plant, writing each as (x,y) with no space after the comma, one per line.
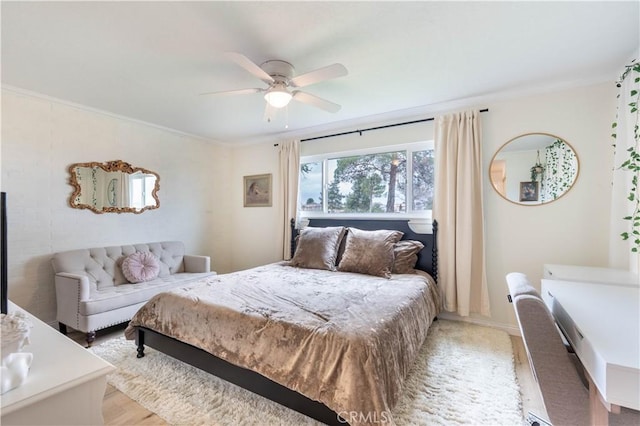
(537,169)
(632,163)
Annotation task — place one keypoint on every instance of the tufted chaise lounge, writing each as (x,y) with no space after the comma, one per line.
(92,292)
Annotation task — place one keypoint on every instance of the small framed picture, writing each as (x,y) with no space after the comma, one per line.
(257,191)
(529,191)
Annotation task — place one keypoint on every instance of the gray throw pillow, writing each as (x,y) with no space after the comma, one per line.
(369,252)
(406,256)
(317,248)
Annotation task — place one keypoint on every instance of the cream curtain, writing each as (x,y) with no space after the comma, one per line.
(620,254)
(458,209)
(289,174)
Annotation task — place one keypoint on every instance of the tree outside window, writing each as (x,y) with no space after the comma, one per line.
(369,183)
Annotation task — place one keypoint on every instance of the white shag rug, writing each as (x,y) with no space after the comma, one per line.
(464,375)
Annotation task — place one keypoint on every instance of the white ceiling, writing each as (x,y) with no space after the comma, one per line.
(151,60)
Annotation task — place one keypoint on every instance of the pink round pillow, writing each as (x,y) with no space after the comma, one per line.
(140,266)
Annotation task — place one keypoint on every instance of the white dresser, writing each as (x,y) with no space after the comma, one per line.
(65,385)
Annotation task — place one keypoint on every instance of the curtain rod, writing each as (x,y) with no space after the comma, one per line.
(375,128)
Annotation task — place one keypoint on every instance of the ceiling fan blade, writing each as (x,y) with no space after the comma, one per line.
(235,92)
(321,74)
(315,101)
(250,66)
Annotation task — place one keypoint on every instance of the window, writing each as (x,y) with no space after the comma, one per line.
(141,190)
(392,180)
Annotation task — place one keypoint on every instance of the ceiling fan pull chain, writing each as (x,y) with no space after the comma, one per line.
(286,117)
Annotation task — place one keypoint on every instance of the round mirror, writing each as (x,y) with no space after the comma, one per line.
(534,169)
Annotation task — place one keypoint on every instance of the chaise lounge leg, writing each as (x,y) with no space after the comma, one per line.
(63,328)
(91,336)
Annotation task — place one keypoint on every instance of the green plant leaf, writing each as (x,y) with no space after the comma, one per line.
(632,162)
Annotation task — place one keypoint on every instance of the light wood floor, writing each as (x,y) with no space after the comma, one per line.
(118,409)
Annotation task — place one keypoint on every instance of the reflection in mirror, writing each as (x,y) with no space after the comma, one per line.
(533,169)
(114,186)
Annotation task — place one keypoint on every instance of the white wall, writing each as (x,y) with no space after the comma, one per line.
(42,137)
(257,231)
(201,189)
(572,230)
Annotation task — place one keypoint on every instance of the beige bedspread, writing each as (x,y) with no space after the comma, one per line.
(345,339)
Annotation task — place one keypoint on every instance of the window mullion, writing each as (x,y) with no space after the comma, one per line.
(409,182)
(325,186)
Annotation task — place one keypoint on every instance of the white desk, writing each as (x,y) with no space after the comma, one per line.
(591,274)
(602,323)
(65,385)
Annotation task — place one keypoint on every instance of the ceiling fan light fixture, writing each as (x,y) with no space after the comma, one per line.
(278,96)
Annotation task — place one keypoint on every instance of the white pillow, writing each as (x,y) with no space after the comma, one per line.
(140,266)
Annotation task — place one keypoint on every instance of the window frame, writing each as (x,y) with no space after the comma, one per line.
(146,190)
(409,148)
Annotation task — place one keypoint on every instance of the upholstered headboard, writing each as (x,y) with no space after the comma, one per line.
(427,258)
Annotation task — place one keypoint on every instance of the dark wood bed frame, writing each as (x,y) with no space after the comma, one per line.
(259,384)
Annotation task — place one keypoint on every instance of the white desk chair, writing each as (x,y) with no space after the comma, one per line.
(564,395)
(555,366)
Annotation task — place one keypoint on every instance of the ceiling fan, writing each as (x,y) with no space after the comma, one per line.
(283,83)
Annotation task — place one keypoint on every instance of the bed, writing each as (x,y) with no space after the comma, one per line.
(333,345)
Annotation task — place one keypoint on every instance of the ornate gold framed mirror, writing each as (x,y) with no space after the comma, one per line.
(534,169)
(113,187)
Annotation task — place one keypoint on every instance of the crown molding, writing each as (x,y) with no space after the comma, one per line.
(47,98)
